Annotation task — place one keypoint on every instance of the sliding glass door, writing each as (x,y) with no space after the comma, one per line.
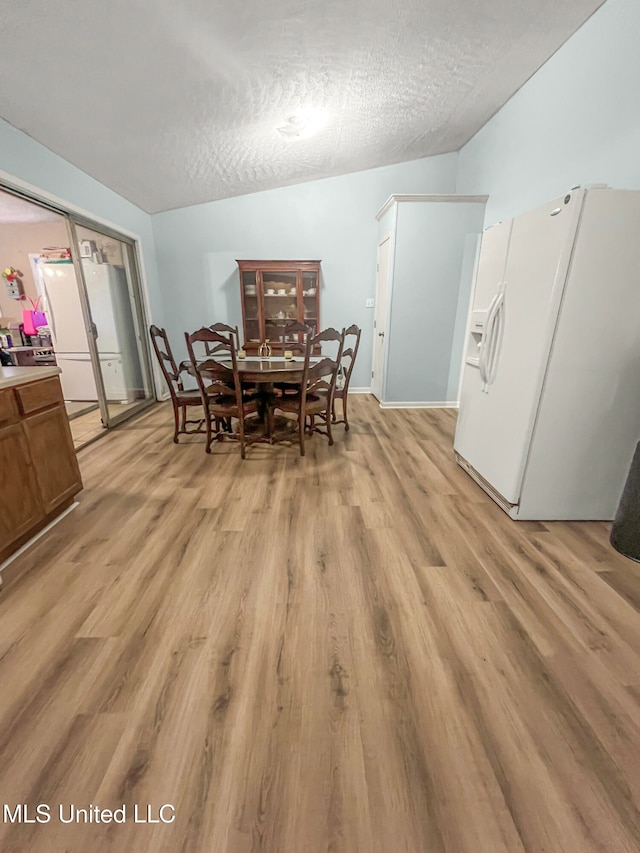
(114,315)
(84,280)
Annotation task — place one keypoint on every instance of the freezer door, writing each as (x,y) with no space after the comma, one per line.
(491,263)
(489,276)
(498,409)
(64,310)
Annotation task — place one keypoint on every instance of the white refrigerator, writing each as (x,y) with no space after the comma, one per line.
(550,397)
(64,313)
(112,317)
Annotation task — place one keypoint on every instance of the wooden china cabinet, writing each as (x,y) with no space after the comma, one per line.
(275,294)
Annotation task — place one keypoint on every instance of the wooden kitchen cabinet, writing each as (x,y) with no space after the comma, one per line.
(52,456)
(274,294)
(21,509)
(37,459)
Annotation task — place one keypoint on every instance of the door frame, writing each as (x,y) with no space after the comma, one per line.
(383,314)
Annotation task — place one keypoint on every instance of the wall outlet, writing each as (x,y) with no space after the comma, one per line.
(369,303)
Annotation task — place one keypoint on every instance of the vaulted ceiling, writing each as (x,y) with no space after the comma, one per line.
(176,102)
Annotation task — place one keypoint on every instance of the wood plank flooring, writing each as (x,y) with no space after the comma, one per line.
(355,651)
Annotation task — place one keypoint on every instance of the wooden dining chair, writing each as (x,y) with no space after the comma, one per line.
(313,399)
(341,392)
(297,346)
(219,385)
(181,399)
(296,330)
(223,329)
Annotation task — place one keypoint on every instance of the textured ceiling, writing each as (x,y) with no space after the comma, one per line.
(175,102)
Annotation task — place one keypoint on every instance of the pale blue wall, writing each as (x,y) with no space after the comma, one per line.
(576,121)
(24,158)
(431,283)
(332,220)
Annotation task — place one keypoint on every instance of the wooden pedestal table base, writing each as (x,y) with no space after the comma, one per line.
(264,372)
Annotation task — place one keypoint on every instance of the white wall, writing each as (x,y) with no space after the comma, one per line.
(25,159)
(332,220)
(576,121)
(17,242)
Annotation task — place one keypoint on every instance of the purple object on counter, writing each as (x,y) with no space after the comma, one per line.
(31,321)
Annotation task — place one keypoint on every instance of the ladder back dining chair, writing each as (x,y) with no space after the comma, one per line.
(220,386)
(181,399)
(314,396)
(224,329)
(341,392)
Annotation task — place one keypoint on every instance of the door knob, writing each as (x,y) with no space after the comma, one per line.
(381,334)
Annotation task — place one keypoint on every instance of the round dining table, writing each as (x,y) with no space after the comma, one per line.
(269,370)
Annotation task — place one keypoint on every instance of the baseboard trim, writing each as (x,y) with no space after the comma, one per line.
(36,536)
(359,390)
(420,405)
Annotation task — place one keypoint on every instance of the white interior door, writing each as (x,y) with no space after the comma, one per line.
(380,317)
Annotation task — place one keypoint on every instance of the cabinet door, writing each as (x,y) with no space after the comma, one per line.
(9,413)
(53,457)
(250,292)
(21,508)
(310,305)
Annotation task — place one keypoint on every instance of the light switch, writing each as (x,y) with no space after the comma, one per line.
(369,303)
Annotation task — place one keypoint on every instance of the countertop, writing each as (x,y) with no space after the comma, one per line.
(10,376)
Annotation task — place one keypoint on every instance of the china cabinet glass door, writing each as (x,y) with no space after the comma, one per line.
(251,302)
(280,303)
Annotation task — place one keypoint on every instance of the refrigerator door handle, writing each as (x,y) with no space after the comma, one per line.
(496,335)
(484,343)
(490,339)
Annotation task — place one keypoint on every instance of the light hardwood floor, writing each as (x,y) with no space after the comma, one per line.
(356,651)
